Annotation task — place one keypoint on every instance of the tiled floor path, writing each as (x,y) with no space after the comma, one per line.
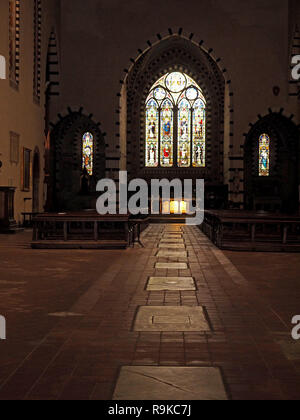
(70,318)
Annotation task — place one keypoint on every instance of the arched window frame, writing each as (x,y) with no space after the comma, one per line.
(185,146)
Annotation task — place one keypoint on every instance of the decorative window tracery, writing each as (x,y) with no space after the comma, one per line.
(175,123)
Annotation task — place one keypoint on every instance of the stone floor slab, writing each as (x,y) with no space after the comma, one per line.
(171,266)
(172,254)
(171,246)
(172,241)
(171,283)
(172,232)
(170,383)
(171,319)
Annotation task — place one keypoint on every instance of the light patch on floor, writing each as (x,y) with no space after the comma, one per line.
(174,237)
(171,266)
(172,241)
(172,232)
(170,384)
(171,283)
(171,319)
(172,254)
(172,246)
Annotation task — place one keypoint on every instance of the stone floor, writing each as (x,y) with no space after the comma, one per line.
(71,318)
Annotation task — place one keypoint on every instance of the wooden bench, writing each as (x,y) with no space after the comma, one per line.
(252,231)
(84,230)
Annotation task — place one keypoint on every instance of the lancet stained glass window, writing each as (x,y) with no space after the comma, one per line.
(152,124)
(264,155)
(88,152)
(175,123)
(166,118)
(184,133)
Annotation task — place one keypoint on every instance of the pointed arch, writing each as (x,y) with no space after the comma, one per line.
(67,141)
(271,156)
(176,54)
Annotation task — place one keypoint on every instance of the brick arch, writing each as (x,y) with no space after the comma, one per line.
(282,184)
(172,52)
(66,157)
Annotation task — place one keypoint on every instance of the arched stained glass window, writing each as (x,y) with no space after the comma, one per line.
(88,152)
(264,155)
(175,123)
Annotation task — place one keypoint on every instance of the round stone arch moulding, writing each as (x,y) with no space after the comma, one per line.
(175,53)
(282,182)
(65,159)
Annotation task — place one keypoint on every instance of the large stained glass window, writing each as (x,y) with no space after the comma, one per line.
(175,123)
(88,152)
(264,155)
